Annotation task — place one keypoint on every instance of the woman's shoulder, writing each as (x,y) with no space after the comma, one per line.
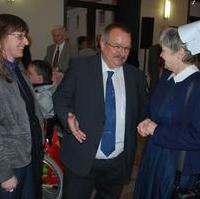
(194,79)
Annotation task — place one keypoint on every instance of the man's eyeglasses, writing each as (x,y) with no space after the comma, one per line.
(119,47)
(19,36)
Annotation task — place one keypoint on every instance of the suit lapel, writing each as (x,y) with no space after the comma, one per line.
(130,92)
(64,52)
(52,52)
(98,79)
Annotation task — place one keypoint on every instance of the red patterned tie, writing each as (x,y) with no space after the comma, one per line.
(55,60)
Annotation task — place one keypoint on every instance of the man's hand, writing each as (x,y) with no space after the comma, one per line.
(10,184)
(74,128)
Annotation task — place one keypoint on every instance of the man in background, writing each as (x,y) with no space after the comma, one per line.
(59,53)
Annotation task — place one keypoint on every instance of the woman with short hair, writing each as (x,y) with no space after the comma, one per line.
(172,122)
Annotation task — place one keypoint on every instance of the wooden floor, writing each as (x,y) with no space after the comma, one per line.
(128,189)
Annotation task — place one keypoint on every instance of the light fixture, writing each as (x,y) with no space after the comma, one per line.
(10,1)
(167,9)
(195,1)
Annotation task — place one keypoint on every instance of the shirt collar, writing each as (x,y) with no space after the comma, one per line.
(183,74)
(60,46)
(11,65)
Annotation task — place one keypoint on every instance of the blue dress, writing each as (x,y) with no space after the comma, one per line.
(159,161)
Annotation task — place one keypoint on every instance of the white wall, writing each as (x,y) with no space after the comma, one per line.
(40,15)
(155,8)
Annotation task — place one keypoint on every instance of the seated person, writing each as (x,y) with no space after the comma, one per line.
(85,47)
(40,75)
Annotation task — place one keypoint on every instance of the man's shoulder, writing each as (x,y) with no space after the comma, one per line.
(82,65)
(132,69)
(86,59)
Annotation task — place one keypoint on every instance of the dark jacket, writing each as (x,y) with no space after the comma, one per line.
(81,92)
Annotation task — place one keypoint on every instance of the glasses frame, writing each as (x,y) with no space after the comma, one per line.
(19,36)
(118,47)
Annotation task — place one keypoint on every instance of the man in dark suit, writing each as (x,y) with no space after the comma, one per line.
(59,53)
(80,104)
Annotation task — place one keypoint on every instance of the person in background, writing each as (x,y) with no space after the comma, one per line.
(40,75)
(20,128)
(172,122)
(99,103)
(132,59)
(155,63)
(59,53)
(85,46)
(98,39)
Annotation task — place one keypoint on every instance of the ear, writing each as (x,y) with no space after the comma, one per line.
(181,54)
(102,43)
(40,79)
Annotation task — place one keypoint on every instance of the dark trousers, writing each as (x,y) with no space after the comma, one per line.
(29,186)
(106,178)
(20,174)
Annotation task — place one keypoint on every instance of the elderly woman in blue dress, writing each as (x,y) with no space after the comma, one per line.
(167,130)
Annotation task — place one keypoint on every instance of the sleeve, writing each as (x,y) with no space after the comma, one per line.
(45,102)
(63,96)
(179,137)
(144,98)
(6,170)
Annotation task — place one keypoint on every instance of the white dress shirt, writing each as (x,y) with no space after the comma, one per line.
(120,98)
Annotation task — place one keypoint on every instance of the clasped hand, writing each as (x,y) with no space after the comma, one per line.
(10,184)
(146,127)
(73,125)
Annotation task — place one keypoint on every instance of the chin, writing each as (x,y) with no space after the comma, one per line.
(19,55)
(118,63)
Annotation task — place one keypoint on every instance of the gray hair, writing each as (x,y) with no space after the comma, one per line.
(171,39)
(58,27)
(110,27)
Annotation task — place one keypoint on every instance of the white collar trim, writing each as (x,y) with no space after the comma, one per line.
(184,73)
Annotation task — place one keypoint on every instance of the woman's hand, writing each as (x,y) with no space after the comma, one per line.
(10,184)
(146,127)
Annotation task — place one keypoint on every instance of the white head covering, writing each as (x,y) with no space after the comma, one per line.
(190,34)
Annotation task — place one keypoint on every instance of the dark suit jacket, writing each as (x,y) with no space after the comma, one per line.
(63,62)
(81,92)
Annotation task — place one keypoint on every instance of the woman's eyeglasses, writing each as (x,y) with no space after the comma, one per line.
(19,36)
